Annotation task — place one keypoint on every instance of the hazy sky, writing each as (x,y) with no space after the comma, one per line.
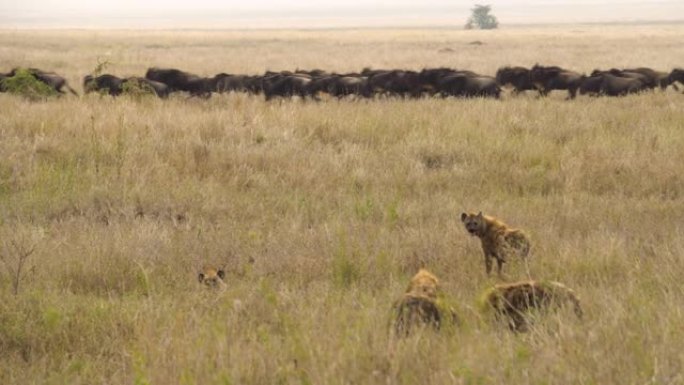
(321,13)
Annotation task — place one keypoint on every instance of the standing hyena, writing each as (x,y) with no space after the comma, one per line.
(498,240)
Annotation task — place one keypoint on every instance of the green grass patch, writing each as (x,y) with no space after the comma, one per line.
(23,83)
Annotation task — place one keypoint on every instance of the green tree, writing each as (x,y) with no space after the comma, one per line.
(481,18)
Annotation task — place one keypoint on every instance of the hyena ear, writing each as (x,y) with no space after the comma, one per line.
(463,217)
(200,277)
(221,274)
(479,215)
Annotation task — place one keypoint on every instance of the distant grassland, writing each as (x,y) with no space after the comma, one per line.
(337,204)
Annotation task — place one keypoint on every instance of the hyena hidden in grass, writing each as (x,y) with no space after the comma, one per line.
(423,304)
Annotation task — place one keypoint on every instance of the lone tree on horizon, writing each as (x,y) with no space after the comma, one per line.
(481,18)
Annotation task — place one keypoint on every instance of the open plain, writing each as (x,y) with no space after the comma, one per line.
(320,212)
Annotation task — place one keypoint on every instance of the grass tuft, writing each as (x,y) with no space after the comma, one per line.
(24,84)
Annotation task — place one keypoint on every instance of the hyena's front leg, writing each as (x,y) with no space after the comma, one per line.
(488,262)
(499,264)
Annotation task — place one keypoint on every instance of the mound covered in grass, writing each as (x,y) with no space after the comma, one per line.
(137,88)
(25,84)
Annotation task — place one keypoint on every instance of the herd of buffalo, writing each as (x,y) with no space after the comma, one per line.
(369,83)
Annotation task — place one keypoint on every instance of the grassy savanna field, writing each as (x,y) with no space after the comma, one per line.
(321,212)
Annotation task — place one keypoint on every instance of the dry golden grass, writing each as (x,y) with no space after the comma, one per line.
(338,204)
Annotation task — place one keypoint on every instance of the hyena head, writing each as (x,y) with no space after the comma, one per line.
(212,278)
(474,223)
(424,283)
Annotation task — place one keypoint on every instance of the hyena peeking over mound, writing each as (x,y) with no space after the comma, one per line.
(498,240)
(515,301)
(212,278)
(420,305)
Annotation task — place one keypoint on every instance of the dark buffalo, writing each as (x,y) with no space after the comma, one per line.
(658,78)
(469,86)
(619,86)
(432,77)
(370,72)
(677,75)
(379,82)
(517,77)
(283,73)
(106,84)
(321,84)
(287,86)
(399,83)
(591,85)
(54,81)
(647,81)
(178,80)
(315,73)
(551,78)
(341,85)
(255,84)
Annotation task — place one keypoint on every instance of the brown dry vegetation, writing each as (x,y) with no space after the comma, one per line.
(338,204)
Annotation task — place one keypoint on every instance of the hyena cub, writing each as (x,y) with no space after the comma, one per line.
(498,240)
